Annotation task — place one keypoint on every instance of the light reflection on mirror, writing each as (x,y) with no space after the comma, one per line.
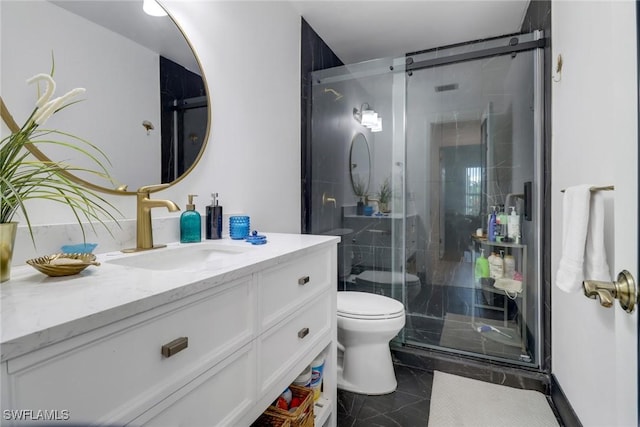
(360,165)
(145,104)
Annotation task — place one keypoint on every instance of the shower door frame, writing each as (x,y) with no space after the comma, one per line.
(400,69)
(537,45)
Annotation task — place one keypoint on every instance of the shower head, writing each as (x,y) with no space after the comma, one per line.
(338,95)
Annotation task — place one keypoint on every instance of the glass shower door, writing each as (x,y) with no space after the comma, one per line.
(472,151)
(459,140)
(357,173)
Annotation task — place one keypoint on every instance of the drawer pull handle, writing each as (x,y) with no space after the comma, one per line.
(175,346)
(303,333)
(303,280)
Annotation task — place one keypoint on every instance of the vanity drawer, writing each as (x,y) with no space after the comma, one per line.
(280,347)
(112,374)
(284,288)
(219,397)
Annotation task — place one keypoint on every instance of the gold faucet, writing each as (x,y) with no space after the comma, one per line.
(144,231)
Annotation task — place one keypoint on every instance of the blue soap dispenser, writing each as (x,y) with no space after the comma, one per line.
(190,223)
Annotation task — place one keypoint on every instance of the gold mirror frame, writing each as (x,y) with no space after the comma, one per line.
(14,127)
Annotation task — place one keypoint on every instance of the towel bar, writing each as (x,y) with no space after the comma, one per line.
(592,189)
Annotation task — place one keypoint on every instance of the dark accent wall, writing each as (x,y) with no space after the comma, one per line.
(314,55)
(176,83)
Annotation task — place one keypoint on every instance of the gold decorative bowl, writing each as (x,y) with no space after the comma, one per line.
(57,265)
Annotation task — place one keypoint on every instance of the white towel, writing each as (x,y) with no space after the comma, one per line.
(575,221)
(595,258)
(582,239)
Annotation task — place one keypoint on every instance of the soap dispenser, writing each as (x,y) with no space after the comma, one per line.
(190,223)
(213,227)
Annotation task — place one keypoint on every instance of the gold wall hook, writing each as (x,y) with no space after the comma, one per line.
(559,64)
(624,290)
(148,126)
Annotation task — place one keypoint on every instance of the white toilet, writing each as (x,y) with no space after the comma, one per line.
(366,324)
(384,282)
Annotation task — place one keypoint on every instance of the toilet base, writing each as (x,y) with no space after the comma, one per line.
(369,370)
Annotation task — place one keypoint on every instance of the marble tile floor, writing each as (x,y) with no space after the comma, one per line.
(408,406)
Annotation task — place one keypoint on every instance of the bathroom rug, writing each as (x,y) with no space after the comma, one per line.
(463,402)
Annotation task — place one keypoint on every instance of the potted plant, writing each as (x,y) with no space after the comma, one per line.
(24,177)
(384,196)
(360,191)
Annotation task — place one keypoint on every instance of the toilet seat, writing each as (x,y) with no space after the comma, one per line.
(375,277)
(367,306)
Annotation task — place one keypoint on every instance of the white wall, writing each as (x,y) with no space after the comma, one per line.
(594,138)
(250,54)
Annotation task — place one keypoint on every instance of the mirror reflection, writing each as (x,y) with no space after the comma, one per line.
(145,104)
(360,165)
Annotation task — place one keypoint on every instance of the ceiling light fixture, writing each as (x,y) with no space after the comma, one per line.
(153,8)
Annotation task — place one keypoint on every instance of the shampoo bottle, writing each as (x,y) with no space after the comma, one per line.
(496,266)
(482,267)
(502,220)
(509,266)
(190,223)
(214,219)
(514,226)
(492,226)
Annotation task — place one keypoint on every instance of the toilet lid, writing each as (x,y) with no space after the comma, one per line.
(368,306)
(373,277)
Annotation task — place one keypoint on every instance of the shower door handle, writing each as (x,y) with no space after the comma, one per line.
(528,202)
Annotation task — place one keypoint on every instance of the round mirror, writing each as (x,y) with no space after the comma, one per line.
(360,165)
(145,104)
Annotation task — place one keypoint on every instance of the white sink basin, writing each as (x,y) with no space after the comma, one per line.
(205,256)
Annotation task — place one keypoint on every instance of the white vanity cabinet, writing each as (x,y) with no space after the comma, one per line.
(246,340)
(108,375)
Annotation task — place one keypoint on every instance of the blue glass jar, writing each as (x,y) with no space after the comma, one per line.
(239,227)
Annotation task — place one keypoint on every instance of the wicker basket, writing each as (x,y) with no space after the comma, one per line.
(271,420)
(301,417)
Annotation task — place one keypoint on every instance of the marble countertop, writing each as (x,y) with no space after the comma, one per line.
(37,310)
(378,216)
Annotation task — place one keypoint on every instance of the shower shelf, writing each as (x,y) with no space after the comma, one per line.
(519,251)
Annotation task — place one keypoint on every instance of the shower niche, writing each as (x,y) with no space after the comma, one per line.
(461,136)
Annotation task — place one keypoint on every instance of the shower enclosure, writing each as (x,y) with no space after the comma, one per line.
(454,134)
